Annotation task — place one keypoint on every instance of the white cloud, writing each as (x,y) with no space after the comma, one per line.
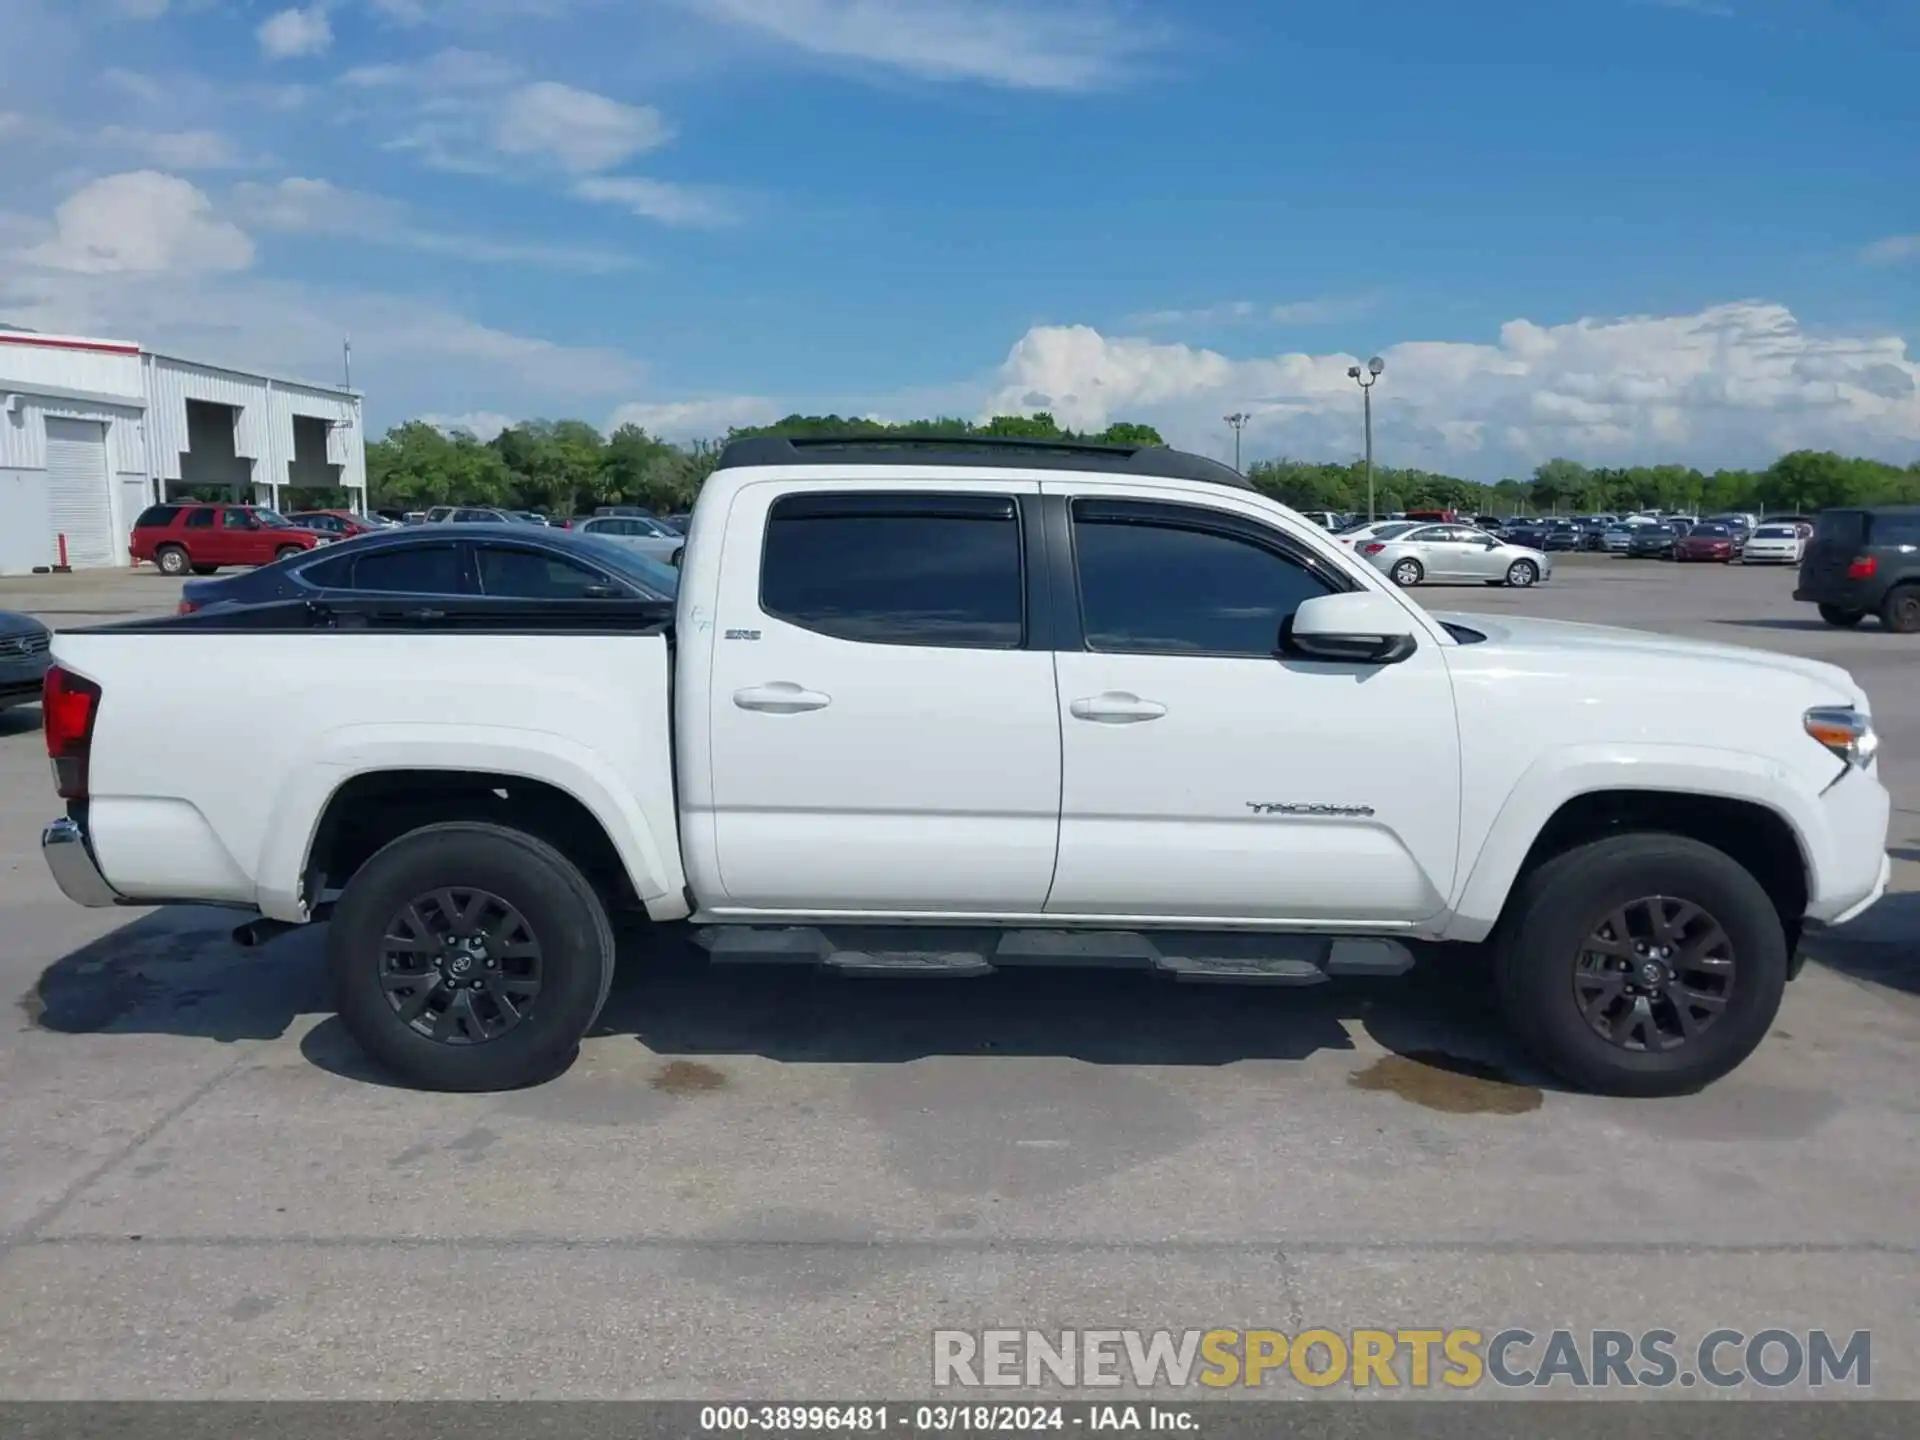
(583,131)
(141,222)
(1035,44)
(1743,381)
(453,69)
(657,199)
(175,149)
(481,424)
(301,206)
(295,32)
(702,419)
(1892,250)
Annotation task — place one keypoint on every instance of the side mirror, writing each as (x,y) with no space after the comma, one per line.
(1361,627)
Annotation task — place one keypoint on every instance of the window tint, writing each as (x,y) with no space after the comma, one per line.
(1896,527)
(409,570)
(1162,587)
(201,519)
(897,570)
(156,515)
(1426,535)
(1774,532)
(1395,530)
(533,575)
(238,520)
(1841,527)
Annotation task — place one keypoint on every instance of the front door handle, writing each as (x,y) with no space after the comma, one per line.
(1117,707)
(782,697)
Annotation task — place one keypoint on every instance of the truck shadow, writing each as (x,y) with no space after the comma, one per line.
(1881,947)
(19,720)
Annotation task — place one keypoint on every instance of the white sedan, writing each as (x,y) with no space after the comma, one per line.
(1775,545)
(1455,552)
(1375,530)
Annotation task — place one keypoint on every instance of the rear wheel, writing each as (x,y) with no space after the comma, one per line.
(172,560)
(285,550)
(1522,573)
(1900,611)
(1642,964)
(470,957)
(1407,572)
(1845,619)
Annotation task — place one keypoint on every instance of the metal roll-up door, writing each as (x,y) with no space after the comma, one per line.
(79,498)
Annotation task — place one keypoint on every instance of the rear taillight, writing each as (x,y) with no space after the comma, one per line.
(1373,549)
(69,704)
(1864,567)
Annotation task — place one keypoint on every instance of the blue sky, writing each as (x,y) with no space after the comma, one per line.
(1616,229)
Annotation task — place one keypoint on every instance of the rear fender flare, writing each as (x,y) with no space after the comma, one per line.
(652,861)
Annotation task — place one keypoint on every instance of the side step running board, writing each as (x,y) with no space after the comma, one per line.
(1192,956)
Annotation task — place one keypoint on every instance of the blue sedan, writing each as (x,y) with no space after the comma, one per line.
(516,562)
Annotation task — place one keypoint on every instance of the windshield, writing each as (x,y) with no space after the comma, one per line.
(1709,532)
(273,519)
(663,580)
(1773,532)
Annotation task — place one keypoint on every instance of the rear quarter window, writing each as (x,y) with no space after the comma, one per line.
(1841,527)
(156,516)
(1897,528)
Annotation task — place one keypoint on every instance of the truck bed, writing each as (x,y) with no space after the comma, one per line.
(186,801)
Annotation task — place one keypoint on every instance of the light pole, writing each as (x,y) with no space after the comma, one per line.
(1238,420)
(1367,379)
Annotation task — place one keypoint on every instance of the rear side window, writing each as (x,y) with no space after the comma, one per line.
(200,519)
(886,569)
(1896,527)
(155,516)
(1841,527)
(409,570)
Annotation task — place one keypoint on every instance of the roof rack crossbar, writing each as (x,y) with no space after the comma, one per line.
(1145,462)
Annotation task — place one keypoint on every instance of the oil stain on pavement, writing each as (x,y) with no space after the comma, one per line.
(1451,1084)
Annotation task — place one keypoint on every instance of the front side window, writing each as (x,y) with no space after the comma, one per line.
(409,570)
(1154,584)
(535,575)
(238,520)
(913,569)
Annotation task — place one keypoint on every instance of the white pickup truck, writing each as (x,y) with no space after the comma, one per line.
(944,707)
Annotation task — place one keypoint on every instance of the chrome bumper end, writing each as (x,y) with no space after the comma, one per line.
(75,871)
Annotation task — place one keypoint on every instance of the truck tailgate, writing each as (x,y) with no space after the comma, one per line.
(214,753)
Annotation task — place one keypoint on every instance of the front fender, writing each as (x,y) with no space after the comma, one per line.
(646,844)
(1563,775)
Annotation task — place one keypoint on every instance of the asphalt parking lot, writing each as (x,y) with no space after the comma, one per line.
(778,1185)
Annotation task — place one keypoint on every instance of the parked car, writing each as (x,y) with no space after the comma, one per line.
(1455,552)
(474,515)
(1864,562)
(1044,719)
(1527,534)
(24,656)
(1774,545)
(643,533)
(1326,519)
(1375,530)
(1709,541)
(183,536)
(678,521)
(1655,541)
(524,563)
(1562,535)
(340,524)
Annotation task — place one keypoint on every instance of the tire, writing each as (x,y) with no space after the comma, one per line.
(563,917)
(206,569)
(1559,909)
(172,560)
(1407,572)
(675,558)
(285,550)
(1522,573)
(1844,619)
(1900,611)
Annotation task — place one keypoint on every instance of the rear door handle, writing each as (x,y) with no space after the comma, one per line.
(1117,707)
(782,697)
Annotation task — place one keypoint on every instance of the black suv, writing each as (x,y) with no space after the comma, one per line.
(1865,560)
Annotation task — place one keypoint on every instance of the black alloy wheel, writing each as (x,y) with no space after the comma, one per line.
(460,966)
(1655,974)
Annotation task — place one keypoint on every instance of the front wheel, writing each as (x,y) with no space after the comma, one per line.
(1522,573)
(470,957)
(1643,964)
(1407,572)
(286,550)
(1900,611)
(1844,619)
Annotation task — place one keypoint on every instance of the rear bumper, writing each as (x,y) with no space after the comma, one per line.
(69,856)
(1861,595)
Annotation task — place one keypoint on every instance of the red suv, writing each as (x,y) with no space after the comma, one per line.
(203,537)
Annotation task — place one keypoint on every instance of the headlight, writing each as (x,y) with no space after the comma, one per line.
(1844,731)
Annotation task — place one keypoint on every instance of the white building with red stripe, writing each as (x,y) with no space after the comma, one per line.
(93,431)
